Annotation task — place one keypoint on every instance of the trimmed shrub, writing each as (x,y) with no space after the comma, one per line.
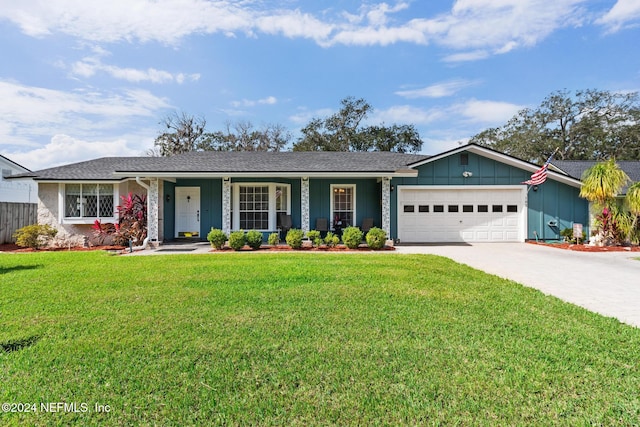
(376,237)
(331,239)
(237,240)
(274,239)
(254,239)
(34,236)
(294,238)
(352,237)
(217,238)
(314,236)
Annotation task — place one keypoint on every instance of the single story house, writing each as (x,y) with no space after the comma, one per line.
(467,194)
(13,191)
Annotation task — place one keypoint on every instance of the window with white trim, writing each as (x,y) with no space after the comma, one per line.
(343,204)
(254,207)
(89,201)
(257,206)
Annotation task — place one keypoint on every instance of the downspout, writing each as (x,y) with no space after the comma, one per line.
(146,239)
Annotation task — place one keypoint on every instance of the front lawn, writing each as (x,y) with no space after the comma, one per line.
(265,339)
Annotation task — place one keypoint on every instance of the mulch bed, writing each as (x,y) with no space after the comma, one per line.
(281,248)
(11,247)
(588,248)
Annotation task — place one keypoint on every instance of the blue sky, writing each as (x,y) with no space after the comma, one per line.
(81,79)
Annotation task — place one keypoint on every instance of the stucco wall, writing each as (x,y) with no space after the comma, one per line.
(72,234)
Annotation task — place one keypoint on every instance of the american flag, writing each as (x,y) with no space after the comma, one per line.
(540,175)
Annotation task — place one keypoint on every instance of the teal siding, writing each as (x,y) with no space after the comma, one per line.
(368,199)
(552,202)
(210,208)
(557,203)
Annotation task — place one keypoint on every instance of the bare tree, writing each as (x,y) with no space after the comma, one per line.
(181,133)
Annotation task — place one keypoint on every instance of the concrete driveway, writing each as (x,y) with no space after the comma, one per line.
(606,283)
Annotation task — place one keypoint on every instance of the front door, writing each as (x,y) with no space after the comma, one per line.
(187,212)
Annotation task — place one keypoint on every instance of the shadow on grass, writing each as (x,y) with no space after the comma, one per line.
(4,270)
(17,345)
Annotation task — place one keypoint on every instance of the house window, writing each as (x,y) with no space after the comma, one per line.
(343,204)
(464,159)
(89,201)
(254,208)
(257,206)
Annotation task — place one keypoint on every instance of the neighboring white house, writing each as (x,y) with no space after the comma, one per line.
(16,191)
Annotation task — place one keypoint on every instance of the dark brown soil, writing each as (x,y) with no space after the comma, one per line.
(10,247)
(587,248)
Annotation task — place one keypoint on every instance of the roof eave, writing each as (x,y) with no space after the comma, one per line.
(336,174)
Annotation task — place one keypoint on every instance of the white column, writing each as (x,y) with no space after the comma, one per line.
(304,202)
(386,206)
(154,199)
(226,205)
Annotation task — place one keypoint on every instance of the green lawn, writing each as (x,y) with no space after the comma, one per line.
(302,339)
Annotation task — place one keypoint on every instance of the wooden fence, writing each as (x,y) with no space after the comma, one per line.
(14,216)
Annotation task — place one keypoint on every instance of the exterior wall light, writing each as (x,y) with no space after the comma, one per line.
(467,174)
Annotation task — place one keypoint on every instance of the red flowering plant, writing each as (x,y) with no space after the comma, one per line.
(131,225)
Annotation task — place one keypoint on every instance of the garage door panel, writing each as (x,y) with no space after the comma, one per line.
(466,215)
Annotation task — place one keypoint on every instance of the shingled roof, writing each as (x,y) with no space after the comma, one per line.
(576,168)
(212,162)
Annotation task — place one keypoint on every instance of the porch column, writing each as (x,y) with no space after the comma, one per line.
(304,201)
(386,206)
(226,205)
(152,224)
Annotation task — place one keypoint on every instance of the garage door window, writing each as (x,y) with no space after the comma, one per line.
(438,208)
(409,208)
(483,208)
(423,208)
(496,208)
(512,208)
(453,208)
(467,208)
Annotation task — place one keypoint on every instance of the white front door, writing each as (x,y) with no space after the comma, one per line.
(187,212)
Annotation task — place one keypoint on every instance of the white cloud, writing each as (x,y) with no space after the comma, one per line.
(89,66)
(623,14)
(31,114)
(270,100)
(63,149)
(476,26)
(488,112)
(467,56)
(438,90)
(406,114)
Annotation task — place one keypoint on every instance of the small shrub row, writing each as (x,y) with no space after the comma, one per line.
(351,237)
(237,239)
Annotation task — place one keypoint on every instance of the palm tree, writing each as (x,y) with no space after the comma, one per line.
(601,183)
(633,204)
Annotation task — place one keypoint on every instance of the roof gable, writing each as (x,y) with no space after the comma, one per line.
(501,158)
(13,164)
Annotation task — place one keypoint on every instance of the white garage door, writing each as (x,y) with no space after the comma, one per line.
(461,214)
